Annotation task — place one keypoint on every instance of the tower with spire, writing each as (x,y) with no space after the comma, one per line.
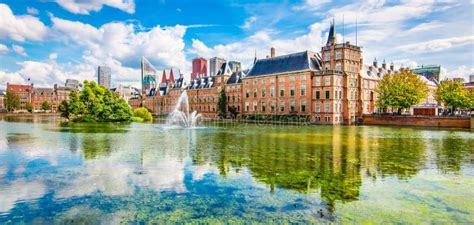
(342,63)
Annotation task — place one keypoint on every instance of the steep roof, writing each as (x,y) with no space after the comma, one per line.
(163,77)
(306,60)
(200,83)
(225,69)
(171,79)
(49,91)
(236,77)
(332,34)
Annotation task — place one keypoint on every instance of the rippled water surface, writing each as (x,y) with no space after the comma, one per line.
(112,173)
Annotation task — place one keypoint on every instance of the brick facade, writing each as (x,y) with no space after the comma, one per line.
(36,96)
(333,87)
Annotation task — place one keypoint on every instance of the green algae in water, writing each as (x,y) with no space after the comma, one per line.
(143,173)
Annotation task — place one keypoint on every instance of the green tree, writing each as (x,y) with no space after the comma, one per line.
(454,96)
(96,103)
(11,101)
(143,113)
(401,90)
(45,106)
(63,108)
(29,107)
(222,104)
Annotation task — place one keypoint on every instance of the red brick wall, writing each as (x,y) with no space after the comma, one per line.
(417,121)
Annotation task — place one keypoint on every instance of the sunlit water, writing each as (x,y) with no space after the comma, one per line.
(144,173)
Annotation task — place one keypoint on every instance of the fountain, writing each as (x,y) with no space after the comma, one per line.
(180,115)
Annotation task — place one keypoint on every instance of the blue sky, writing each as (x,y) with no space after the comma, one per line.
(49,41)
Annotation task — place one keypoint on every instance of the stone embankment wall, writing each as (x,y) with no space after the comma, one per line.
(418,121)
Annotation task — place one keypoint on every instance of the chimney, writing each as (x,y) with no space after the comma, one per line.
(272,52)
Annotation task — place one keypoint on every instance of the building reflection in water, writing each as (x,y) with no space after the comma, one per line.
(332,161)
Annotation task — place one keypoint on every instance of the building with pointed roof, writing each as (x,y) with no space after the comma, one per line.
(332,86)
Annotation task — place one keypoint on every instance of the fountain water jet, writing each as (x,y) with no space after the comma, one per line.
(180,115)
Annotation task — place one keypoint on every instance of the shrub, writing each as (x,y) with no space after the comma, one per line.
(143,113)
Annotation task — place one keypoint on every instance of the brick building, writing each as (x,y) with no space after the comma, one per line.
(330,87)
(199,68)
(41,95)
(23,91)
(280,85)
(37,95)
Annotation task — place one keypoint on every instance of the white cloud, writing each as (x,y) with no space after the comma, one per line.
(20,190)
(3,49)
(426,27)
(32,11)
(249,21)
(53,56)
(311,5)
(13,78)
(121,46)
(48,73)
(20,28)
(438,44)
(262,42)
(87,6)
(19,50)
(461,72)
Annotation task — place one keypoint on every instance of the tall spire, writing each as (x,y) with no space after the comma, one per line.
(332,34)
(171,80)
(255,59)
(163,77)
(356,31)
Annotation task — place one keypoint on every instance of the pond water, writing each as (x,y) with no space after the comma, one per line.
(235,173)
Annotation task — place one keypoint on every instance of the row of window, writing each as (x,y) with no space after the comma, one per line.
(327,119)
(337,94)
(263,93)
(203,108)
(263,106)
(327,108)
(327,57)
(327,80)
(280,79)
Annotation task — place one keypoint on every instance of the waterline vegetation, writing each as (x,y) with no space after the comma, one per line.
(95,103)
(142,115)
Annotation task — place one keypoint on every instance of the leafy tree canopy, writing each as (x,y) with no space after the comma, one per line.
(453,95)
(29,107)
(95,103)
(11,101)
(143,113)
(222,103)
(45,106)
(401,90)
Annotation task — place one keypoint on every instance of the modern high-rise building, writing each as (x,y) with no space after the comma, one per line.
(215,65)
(235,66)
(431,72)
(199,68)
(71,83)
(104,76)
